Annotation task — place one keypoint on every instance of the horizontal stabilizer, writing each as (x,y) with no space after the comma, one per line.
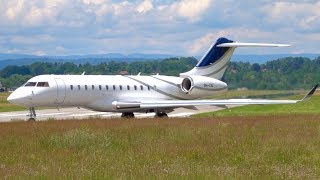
(238,44)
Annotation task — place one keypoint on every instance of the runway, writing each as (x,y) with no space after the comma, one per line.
(75,113)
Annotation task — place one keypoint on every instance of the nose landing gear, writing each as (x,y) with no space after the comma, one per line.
(32,114)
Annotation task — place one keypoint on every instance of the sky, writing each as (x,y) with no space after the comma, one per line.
(177,27)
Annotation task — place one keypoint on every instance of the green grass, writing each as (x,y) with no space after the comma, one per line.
(269,147)
(271,141)
(5,106)
(308,107)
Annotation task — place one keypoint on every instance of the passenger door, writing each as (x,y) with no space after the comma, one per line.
(61,91)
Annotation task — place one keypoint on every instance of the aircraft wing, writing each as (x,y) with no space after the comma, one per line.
(159,104)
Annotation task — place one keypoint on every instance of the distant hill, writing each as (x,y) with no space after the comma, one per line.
(16,56)
(25,59)
(93,56)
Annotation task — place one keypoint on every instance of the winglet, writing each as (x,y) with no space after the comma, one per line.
(308,96)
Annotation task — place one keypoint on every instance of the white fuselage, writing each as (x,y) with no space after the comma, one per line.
(98,92)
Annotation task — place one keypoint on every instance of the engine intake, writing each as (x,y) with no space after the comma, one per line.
(200,85)
(187,85)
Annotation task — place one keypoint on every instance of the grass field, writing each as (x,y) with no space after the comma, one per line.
(264,146)
(276,141)
(5,106)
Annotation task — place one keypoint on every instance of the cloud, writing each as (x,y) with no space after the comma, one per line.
(203,42)
(14,9)
(95,2)
(60,49)
(299,15)
(192,9)
(145,6)
(31,40)
(37,16)
(183,27)
(39,53)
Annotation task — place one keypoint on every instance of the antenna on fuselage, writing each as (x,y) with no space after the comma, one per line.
(83,73)
(139,74)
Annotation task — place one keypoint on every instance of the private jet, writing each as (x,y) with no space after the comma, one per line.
(129,94)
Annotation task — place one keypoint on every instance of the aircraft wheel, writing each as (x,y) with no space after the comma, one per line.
(161,115)
(31,119)
(127,115)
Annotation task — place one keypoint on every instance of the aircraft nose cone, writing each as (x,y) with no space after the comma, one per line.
(16,98)
(12,98)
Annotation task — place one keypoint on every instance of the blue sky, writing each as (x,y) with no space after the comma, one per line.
(186,27)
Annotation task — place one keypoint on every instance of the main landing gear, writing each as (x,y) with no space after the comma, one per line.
(127,115)
(32,114)
(161,115)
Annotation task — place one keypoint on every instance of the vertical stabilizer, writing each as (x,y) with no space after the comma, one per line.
(214,63)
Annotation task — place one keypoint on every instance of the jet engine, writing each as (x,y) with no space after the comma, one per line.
(201,85)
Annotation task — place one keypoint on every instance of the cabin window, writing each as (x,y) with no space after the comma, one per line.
(100,87)
(71,87)
(135,87)
(85,87)
(43,84)
(120,86)
(128,87)
(114,87)
(107,87)
(31,84)
(149,88)
(141,87)
(79,87)
(92,87)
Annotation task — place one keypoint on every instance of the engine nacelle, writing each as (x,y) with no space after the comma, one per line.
(201,85)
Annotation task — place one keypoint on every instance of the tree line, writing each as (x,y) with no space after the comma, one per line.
(282,74)
(14,76)
(285,73)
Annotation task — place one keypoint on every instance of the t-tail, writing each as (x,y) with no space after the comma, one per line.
(214,63)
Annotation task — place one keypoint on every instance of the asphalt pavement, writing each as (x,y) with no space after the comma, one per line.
(75,113)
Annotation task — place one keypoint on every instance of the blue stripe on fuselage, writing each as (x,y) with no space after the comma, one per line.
(215,53)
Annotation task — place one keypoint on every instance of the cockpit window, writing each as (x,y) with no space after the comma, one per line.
(43,84)
(31,84)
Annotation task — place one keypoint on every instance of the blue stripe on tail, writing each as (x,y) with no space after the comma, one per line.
(215,53)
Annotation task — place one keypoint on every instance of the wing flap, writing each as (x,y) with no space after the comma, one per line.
(187,103)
